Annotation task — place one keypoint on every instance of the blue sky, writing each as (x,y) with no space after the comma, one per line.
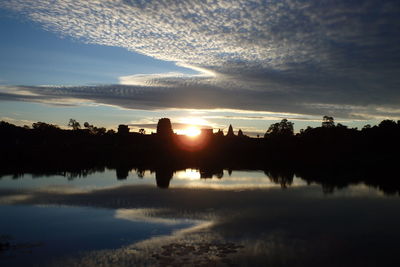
(207,62)
(33,56)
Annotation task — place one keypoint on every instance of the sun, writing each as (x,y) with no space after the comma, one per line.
(192,131)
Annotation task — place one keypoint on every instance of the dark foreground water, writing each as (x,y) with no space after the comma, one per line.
(242,219)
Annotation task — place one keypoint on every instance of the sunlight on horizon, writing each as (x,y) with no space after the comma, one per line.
(194,126)
(191,131)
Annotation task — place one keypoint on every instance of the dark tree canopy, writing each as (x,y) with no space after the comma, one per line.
(366,127)
(328,122)
(74,124)
(95,130)
(42,126)
(283,128)
(110,132)
(388,124)
(370,152)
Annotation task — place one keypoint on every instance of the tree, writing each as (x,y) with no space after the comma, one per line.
(74,124)
(100,130)
(283,128)
(387,124)
(94,130)
(142,131)
(366,127)
(328,122)
(240,133)
(87,125)
(111,132)
(339,125)
(42,126)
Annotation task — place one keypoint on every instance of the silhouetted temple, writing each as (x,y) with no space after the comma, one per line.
(230,131)
(164,127)
(206,132)
(368,152)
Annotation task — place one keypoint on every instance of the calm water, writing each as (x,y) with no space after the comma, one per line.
(243,218)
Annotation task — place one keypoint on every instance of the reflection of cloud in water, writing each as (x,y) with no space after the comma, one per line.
(184,178)
(181,178)
(142,253)
(358,190)
(151,216)
(276,228)
(62,189)
(237,180)
(11,199)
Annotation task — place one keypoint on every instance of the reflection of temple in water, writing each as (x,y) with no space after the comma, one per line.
(122,172)
(163,177)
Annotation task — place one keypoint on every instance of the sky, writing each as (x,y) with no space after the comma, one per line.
(210,63)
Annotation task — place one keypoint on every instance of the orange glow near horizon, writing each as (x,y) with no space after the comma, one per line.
(191,131)
(191,139)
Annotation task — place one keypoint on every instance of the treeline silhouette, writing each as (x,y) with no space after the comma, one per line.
(332,154)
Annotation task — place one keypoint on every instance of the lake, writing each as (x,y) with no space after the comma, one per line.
(139,217)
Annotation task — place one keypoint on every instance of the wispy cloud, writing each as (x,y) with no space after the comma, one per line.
(17,121)
(318,57)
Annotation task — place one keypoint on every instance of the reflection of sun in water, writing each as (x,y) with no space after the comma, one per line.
(188,174)
(192,131)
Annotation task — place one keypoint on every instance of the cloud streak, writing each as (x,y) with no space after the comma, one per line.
(321,57)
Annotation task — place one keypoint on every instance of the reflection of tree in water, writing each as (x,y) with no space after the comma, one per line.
(140,173)
(328,188)
(220,174)
(82,172)
(338,178)
(9,249)
(282,177)
(206,173)
(163,177)
(70,174)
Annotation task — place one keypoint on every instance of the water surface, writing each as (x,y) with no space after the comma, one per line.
(243,217)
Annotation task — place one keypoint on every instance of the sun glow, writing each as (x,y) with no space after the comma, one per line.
(192,126)
(192,131)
